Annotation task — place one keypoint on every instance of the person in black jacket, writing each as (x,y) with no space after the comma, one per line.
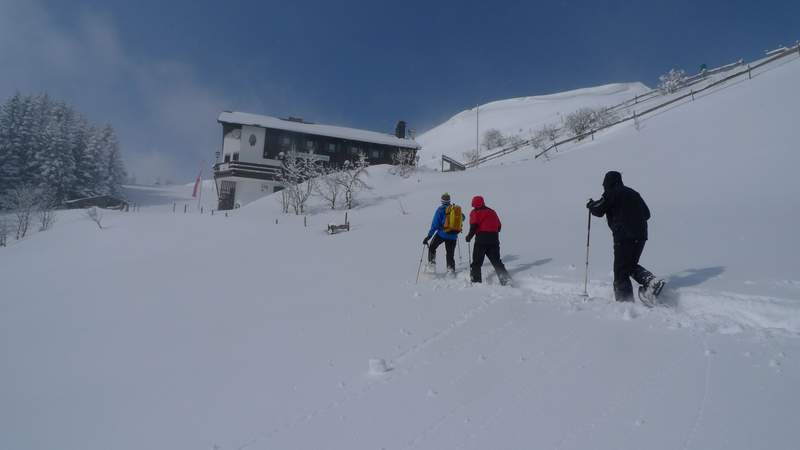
(627,215)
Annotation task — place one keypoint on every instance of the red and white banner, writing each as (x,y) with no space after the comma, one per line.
(197,182)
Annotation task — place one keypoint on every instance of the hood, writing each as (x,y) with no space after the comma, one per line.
(477,202)
(612,180)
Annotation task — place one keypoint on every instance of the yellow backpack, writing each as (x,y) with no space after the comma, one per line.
(453,219)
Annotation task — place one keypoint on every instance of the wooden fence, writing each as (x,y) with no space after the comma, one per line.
(747,71)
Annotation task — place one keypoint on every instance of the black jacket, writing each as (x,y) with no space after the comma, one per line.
(625,211)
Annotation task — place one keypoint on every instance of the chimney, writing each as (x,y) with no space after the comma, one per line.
(400,129)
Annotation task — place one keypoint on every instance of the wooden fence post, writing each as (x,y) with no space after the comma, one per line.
(173,206)
(185,208)
(345,218)
(692,91)
(749,74)
(305,221)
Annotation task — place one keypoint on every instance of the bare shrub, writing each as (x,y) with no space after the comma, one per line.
(585,120)
(671,81)
(353,178)
(404,163)
(47,217)
(298,175)
(493,138)
(5,229)
(580,121)
(95,214)
(329,187)
(22,201)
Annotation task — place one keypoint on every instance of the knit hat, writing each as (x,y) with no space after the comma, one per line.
(445,198)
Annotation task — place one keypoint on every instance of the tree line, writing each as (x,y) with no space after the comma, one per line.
(48,147)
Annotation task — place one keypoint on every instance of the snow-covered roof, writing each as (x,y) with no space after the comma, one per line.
(352,134)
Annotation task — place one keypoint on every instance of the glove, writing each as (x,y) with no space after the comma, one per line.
(589,204)
(469,238)
(425,241)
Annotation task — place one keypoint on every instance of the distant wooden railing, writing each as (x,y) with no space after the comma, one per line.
(453,165)
(748,71)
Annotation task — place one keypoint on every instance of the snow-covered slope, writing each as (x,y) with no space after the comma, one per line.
(187,331)
(516,116)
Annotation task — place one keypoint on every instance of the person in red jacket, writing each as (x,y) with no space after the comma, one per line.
(485,226)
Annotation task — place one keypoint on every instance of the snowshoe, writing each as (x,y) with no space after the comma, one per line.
(648,295)
(451,273)
(430,268)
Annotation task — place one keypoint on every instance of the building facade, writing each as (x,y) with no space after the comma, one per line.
(250,163)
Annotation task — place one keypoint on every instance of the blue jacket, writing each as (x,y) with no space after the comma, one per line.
(437,225)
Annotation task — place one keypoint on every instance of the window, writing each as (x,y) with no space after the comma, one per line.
(310,145)
(375,154)
(332,147)
(354,150)
(277,188)
(227,157)
(236,156)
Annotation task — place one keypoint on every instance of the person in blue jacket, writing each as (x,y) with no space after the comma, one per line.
(440,236)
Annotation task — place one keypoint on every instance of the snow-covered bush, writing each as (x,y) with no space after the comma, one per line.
(671,81)
(580,121)
(299,176)
(329,186)
(404,163)
(585,120)
(95,214)
(547,133)
(493,138)
(352,180)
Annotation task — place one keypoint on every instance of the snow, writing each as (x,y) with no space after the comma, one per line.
(516,116)
(316,129)
(252,331)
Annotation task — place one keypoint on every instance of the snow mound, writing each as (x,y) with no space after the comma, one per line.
(518,116)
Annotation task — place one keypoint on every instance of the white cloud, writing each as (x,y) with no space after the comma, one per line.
(164,115)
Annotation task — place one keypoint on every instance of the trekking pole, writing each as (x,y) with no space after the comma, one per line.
(458,244)
(420,262)
(586,273)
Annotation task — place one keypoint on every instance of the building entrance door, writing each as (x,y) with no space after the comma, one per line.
(227,195)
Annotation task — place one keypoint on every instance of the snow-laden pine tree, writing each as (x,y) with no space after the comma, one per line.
(114,170)
(47,144)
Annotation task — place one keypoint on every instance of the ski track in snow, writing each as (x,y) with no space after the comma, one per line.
(701,408)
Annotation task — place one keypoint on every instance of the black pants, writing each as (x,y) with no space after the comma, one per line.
(626,265)
(450,250)
(492,251)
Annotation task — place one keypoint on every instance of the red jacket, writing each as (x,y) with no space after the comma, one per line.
(483,222)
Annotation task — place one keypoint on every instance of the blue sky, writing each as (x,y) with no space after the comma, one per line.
(160,71)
